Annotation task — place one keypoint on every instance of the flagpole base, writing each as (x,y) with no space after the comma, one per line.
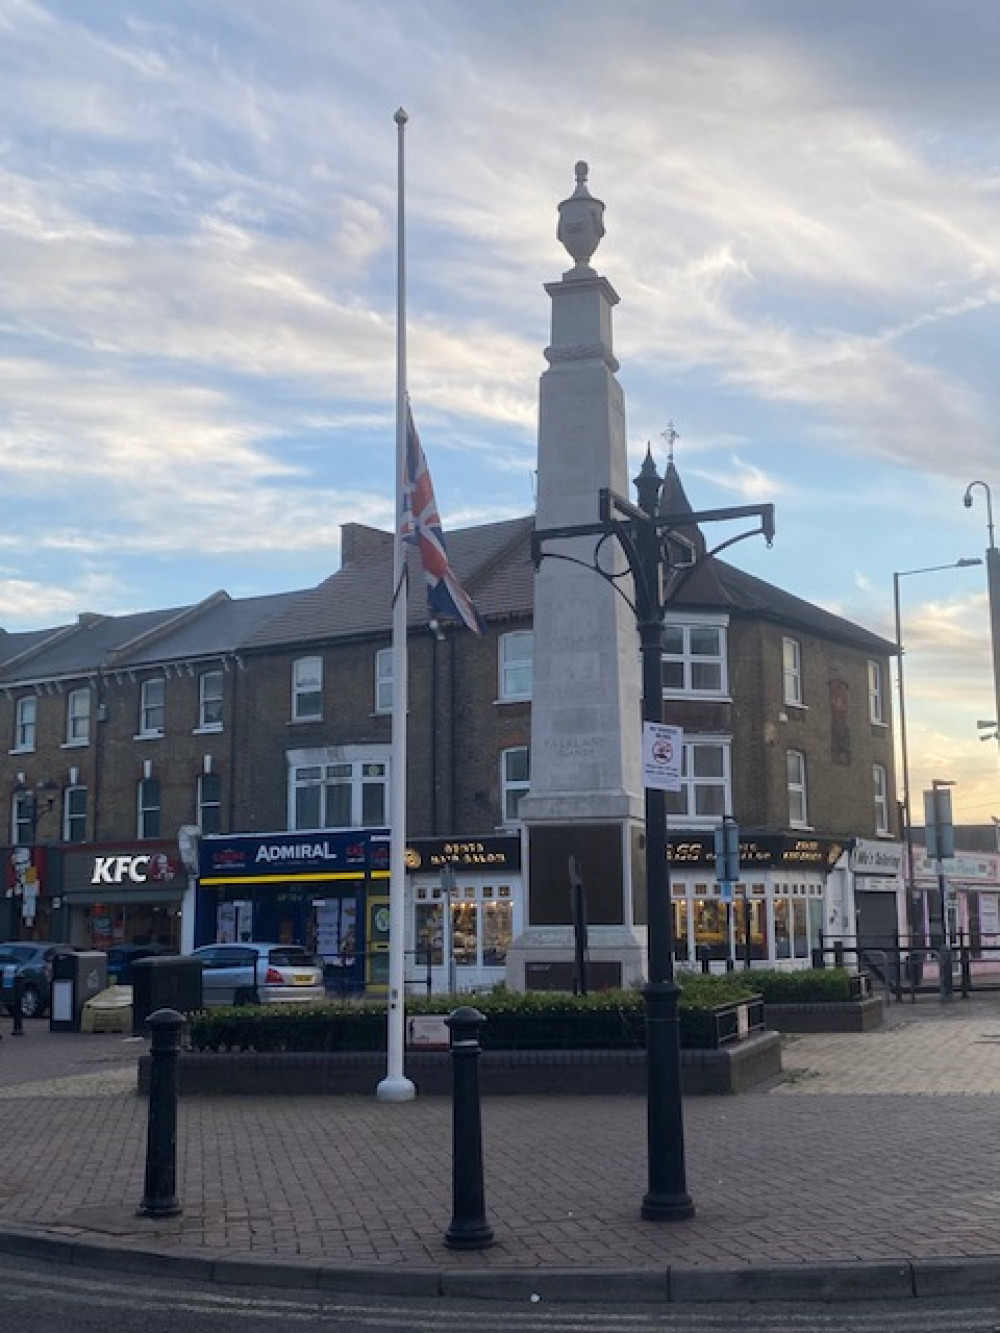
(397,1089)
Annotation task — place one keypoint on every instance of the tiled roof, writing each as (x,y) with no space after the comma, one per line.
(93,643)
(220,628)
(492,562)
(718,584)
(749,595)
(18,644)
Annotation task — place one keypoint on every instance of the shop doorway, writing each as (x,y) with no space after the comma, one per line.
(461,935)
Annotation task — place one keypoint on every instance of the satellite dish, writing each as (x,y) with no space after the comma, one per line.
(188,842)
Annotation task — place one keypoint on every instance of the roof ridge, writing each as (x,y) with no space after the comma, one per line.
(182,617)
(57,636)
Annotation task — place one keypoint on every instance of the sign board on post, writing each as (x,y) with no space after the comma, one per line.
(662,752)
(939,828)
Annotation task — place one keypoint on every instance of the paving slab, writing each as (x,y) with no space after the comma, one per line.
(865,1168)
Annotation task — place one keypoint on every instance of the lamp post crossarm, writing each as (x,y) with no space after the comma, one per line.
(764,512)
(602,532)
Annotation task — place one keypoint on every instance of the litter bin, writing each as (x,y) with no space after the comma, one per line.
(169,982)
(76,978)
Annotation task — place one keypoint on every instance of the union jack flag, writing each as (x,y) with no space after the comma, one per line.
(420,523)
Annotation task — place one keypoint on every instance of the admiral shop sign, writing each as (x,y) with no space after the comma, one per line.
(249,856)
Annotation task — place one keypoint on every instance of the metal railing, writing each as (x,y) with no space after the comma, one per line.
(902,967)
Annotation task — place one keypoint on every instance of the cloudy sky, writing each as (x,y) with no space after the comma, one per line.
(197,211)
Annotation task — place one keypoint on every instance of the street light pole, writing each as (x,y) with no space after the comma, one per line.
(964,563)
(642,534)
(992,587)
(666,1198)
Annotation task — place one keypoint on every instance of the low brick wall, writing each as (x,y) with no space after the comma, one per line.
(733,1069)
(831,1016)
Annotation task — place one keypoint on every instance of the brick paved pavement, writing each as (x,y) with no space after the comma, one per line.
(873,1146)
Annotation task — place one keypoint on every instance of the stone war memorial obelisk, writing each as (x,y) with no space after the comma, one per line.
(585,798)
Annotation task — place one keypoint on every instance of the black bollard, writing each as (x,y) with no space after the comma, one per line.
(160,1198)
(18,1008)
(946,979)
(469,1228)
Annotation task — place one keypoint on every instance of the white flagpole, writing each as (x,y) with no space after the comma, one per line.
(396,1087)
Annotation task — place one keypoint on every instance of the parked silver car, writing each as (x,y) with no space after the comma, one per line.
(255,973)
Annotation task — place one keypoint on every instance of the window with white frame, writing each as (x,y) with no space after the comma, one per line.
(210,684)
(152,706)
(346,790)
(148,823)
(694,658)
(307,689)
(798,808)
(791,659)
(22,822)
(75,814)
(25,714)
(517,654)
(876,693)
(705,780)
(383,680)
(514,772)
(880,783)
(209,813)
(78,717)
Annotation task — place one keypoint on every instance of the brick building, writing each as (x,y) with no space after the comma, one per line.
(262,720)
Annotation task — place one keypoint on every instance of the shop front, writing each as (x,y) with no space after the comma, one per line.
(464,907)
(773,916)
(971,883)
(31,894)
(326,891)
(122,893)
(876,869)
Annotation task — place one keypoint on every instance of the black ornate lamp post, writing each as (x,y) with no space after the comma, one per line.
(642,533)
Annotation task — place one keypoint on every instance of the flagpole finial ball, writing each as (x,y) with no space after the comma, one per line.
(401,117)
(581,224)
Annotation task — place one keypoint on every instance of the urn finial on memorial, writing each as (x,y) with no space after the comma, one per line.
(581,224)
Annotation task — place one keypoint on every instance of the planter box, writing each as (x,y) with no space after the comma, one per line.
(561,1030)
(827,1016)
(730,1070)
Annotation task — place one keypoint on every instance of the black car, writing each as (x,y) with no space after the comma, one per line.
(122,956)
(32,962)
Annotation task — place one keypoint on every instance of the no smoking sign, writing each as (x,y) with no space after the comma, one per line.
(662,750)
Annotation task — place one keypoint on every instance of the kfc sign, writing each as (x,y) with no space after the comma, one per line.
(141,869)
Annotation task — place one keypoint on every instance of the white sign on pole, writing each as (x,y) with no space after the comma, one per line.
(662,749)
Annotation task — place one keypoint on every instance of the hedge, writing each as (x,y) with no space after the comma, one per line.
(813,986)
(531,1020)
(516,1020)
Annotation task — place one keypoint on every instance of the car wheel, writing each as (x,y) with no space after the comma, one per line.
(246,997)
(31,1002)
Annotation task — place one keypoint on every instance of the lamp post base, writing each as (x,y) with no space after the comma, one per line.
(667,1208)
(666,1199)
